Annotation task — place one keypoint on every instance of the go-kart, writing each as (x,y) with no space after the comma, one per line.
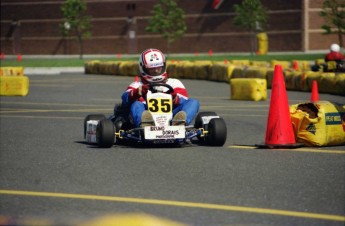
(209,128)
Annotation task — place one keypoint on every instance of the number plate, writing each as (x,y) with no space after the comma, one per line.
(160,105)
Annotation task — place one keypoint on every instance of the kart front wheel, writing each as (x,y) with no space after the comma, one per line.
(105,133)
(217,132)
(199,124)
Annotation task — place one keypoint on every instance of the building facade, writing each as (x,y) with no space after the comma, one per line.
(118,27)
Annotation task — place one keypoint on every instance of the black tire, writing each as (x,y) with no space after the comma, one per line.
(97,117)
(105,133)
(198,121)
(217,132)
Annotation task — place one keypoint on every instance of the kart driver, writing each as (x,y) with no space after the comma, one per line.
(336,57)
(334,54)
(152,67)
(334,61)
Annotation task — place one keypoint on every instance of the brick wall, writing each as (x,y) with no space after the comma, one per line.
(39,32)
(317,40)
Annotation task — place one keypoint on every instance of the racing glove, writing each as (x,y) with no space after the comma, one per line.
(175,98)
(141,91)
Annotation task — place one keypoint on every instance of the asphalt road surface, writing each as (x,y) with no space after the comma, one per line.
(48,173)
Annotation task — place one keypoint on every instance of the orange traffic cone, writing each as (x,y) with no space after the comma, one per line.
(19,57)
(314,92)
(295,65)
(279,131)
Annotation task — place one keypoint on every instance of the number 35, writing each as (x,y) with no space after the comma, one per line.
(160,105)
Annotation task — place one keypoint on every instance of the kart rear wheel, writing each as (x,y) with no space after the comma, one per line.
(198,121)
(217,132)
(96,117)
(105,133)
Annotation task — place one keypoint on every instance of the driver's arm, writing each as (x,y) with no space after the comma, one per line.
(134,92)
(180,93)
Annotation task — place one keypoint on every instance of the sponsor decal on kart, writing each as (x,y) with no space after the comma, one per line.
(165,132)
(161,120)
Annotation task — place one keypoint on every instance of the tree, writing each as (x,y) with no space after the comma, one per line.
(333,11)
(167,20)
(76,22)
(251,15)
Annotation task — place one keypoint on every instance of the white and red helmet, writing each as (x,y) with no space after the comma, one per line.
(152,66)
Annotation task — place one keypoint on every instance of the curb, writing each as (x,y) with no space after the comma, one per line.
(52,70)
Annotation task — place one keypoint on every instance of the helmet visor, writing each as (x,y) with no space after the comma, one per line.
(155,71)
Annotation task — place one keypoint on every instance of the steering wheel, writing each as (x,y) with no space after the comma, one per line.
(153,85)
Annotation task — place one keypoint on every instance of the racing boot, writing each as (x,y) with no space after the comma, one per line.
(146,119)
(179,119)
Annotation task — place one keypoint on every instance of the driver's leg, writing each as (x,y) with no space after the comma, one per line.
(137,109)
(190,107)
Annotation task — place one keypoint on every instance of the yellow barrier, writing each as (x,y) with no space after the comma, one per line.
(109,68)
(284,64)
(296,80)
(307,79)
(248,89)
(262,43)
(172,69)
(339,87)
(188,70)
(14,86)
(256,72)
(175,69)
(319,61)
(11,71)
(241,62)
(250,72)
(256,63)
(318,124)
(302,65)
(202,69)
(92,67)
(129,68)
(238,72)
(332,83)
(289,79)
(222,71)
